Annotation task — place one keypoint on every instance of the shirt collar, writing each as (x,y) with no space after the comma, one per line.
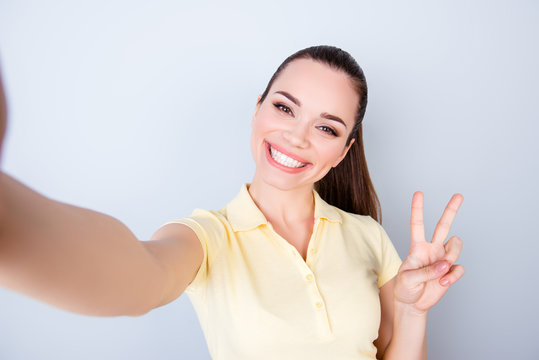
(243,214)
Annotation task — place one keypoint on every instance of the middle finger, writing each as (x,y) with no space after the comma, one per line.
(444,224)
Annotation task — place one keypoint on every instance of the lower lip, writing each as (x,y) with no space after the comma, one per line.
(287,169)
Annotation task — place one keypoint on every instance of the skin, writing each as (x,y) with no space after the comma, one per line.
(286,199)
(134,277)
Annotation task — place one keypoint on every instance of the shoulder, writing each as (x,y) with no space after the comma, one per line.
(209,226)
(363,223)
(347,220)
(210,222)
(364,231)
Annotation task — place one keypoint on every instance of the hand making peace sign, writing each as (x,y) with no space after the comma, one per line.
(428,270)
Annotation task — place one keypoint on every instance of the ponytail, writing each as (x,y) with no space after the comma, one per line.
(348,186)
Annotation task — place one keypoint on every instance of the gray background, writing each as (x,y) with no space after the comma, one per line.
(142,112)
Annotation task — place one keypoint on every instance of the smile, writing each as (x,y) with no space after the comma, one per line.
(284,162)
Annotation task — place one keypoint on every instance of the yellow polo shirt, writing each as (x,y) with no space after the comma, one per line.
(257,299)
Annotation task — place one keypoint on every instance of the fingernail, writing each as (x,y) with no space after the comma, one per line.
(444,282)
(442,266)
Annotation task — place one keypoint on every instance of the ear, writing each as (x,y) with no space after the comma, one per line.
(345,151)
(257,106)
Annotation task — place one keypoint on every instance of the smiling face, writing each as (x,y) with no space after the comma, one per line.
(299,131)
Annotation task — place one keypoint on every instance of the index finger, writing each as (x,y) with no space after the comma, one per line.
(444,224)
(417,228)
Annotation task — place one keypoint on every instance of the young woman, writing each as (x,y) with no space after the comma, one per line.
(295,267)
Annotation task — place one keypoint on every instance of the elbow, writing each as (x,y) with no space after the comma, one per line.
(140,311)
(129,306)
(124,311)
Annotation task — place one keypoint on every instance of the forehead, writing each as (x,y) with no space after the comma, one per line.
(319,87)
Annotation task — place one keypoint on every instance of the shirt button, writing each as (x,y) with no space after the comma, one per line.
(319,304)
(313,251)
(309,277)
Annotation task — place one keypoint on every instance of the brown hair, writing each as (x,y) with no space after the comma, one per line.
(347,186)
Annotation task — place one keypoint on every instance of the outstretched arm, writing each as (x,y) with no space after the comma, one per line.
(84,261)
(423,278)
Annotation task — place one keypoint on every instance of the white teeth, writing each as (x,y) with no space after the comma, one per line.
(285,160)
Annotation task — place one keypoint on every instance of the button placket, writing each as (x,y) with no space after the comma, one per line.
(316,296)
(309,277)
(305,266)
(314,242)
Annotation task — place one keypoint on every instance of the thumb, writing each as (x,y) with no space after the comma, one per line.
(417,276)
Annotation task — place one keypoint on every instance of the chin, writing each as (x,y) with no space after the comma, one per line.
(283,181)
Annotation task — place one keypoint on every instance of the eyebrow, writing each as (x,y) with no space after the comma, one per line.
(296,101)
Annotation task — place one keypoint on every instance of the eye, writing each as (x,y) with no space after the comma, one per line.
(283,108)
(328,130)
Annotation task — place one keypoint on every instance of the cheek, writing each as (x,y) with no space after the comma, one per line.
(261,125)
(333,155)
(254,141)
(255,132)
(257,136)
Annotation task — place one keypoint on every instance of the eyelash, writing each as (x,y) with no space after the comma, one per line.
(324,128)
(280,106)
(329,130)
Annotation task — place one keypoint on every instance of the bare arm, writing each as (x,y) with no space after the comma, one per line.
(179,251)
(73,258)
(406,330)
(423,278)
(385,332)
(84,261)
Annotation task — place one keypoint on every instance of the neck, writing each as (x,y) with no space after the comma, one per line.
(287,207)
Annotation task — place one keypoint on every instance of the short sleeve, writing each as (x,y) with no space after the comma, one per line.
(390,260)
(208,230)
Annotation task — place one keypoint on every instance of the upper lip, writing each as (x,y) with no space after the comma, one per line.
(287,153)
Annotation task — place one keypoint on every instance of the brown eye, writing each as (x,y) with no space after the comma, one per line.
(283,108)
(328,130)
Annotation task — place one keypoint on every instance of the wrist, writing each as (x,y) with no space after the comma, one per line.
(409,310)
(409,333)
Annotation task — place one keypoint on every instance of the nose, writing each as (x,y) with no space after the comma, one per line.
(297,134)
